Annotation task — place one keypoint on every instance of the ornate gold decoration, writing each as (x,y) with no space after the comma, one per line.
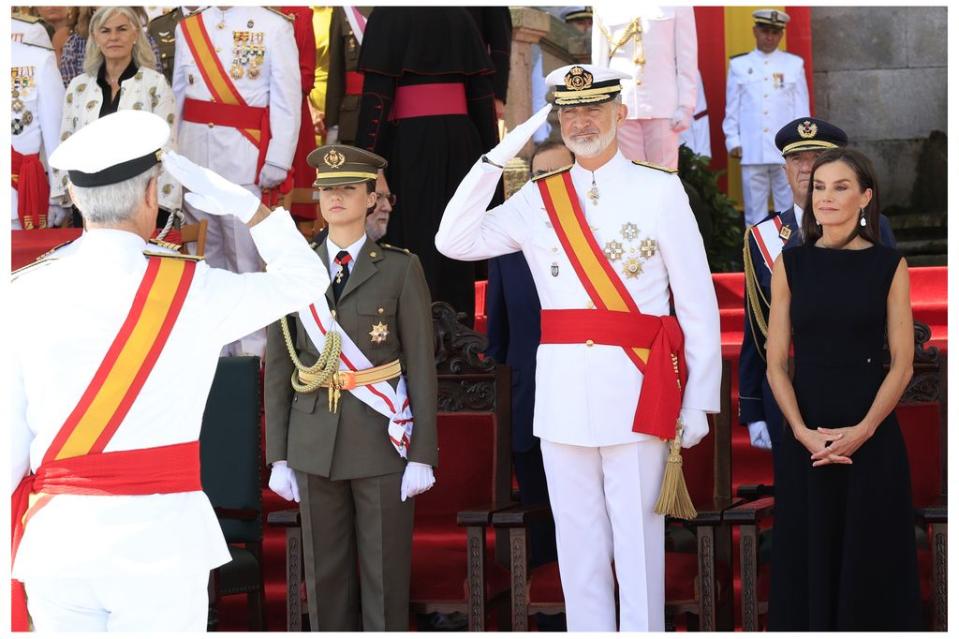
(578,79)
(785,232)
(613,250)
(334,159)
(379,333)
(629,231)
(807,129)
(647,248)
(632,268)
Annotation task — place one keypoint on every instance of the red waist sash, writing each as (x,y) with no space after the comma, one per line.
(243,118)
(144,471)
(29,178)
(419,100)
(354,83)
(664,371)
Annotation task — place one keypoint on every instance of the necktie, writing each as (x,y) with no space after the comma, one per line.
(342,260)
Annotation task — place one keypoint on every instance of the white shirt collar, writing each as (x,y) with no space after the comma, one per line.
(353,249)
(608,169)
(121,249)
(798,211)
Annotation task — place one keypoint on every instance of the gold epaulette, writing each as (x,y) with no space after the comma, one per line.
(280,13)
(652,165)
(175,256)
(164,244)
(395,248)
(557,171)
(23,17)
(738,55)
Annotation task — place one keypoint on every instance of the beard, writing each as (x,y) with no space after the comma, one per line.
(592,147)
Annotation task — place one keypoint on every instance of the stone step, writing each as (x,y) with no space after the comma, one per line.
(927,260)
(918,221)
(937,246)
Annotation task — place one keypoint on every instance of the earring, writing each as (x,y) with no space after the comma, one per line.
(862,218)
(818,223)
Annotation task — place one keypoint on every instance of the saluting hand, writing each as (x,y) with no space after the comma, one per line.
(514,141)
(208,190)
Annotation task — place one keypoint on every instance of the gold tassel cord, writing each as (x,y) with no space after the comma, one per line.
(754,294)
(325,367)
(674,499)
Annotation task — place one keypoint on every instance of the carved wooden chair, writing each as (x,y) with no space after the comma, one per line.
(701,548)
(453,560)
(193,233)
(928,386)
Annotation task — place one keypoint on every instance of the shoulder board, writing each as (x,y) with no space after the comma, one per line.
(164,244)
(23,270)
(551,173)
(280,13)
(739,55)
(23,17)
(38,46)
(165,16)
(395,248)
(175,256)
(658,167)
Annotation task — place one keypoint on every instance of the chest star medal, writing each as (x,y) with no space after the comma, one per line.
(379,333)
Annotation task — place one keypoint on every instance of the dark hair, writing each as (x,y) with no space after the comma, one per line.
(548,146)
(865,176)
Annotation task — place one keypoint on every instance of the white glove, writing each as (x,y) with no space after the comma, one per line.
(695,426)
(759,435)
(333,134)
(417,478)
(271,176)
(515,140)
(283,482)
(56,215)
(209,191)
(681,120)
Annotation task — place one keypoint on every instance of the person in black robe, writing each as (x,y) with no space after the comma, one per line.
(428,108)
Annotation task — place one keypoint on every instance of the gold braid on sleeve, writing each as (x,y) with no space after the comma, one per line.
(324,368)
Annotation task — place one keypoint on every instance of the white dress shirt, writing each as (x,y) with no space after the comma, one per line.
(353,249)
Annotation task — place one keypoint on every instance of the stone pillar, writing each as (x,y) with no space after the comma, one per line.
(529,26)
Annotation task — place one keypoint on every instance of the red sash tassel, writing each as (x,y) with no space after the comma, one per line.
(29,178)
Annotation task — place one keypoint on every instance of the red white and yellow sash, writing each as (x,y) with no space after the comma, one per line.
(654,344)
(75,462)
(769,239)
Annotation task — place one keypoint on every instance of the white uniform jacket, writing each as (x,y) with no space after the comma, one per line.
(29,32)
(666,80)
(147,90)
(587,396)
(277,85)
(696,137)
(43,101)
(763,93)
(76,306)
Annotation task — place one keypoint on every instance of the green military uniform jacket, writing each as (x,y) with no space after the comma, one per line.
(163,30)
(342,110)
(386,285)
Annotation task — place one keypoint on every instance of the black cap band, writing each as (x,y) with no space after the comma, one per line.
(117,172)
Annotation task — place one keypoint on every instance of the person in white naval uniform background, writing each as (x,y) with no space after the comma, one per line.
(116,560)
(696,137)
(256,50)
(36,103)
(603,477)
(656,47)
(765,89)
(29,29)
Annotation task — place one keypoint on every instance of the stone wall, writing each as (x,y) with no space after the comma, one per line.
(881,74)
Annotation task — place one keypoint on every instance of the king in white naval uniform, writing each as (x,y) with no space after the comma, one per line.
(765,89)
(604,468)
(117,533)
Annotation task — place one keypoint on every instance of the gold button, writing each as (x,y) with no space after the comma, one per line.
(380,310)
(373,254)
(333,312)
(589,342)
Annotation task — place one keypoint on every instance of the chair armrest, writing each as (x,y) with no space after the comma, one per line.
(284,518)
(709,513)
(750,512)
(935,513)
(242,514)
(520,516)
(481,516)
(754,491)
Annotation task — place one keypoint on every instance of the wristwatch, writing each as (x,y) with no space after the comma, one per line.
(486,160)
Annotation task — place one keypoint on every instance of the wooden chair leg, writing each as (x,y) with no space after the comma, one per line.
(706,557)
(517,568)
(940,599)
(475,577)
(748,572)
(294,568)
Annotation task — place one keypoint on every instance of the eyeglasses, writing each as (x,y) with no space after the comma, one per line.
(389,197)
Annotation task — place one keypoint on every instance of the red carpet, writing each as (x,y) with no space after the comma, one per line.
(750,466)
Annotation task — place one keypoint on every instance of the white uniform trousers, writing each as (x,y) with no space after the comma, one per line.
(757,181)
(602,500)
(170,603)
(230,246)
(649,140)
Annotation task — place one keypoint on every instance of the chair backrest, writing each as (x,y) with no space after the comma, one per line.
(707,466)
(193,233)
(473,423)
(926,394)
(230,448)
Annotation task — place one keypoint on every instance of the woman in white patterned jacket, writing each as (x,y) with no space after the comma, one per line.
(119,73)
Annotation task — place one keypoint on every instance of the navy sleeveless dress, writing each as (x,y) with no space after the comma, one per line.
(844,556)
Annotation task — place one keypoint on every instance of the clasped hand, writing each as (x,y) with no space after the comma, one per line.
(834,445)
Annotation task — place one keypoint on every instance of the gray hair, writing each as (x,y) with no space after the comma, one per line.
(114,203)
(142,52)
